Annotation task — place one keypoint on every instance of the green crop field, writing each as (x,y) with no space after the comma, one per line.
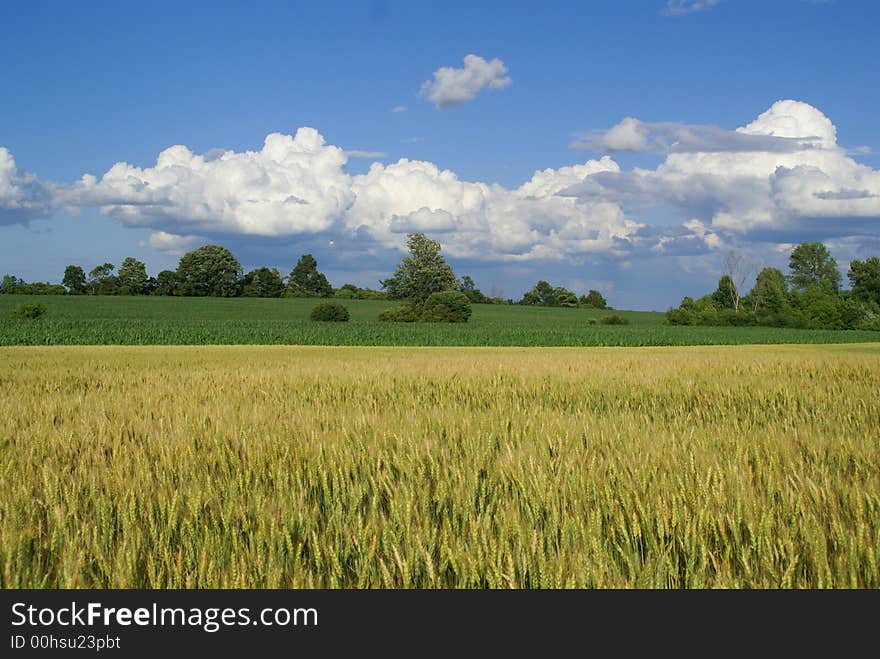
(191,467)
(250,321)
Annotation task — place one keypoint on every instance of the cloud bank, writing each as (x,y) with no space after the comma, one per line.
(452,87)
(779,179)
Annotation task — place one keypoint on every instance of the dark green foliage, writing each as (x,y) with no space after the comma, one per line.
(132,277)
(166,283)
(811,264)
(815,302)
(210,270)
(102,281)
(11,285)
(405,313)
(541,295)
(421,273)
(819,308)
(864,277)
(770,294)
(74,279)
(563,297)
(352,292)
(446,307)
(593,300)
(263,282)
(27,311)
(725,296)
(330,311)
(474,294)
(306,281)
(614,319)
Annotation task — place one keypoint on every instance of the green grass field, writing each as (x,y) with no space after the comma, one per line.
(249,321)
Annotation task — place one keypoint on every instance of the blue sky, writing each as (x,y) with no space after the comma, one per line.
(548,86)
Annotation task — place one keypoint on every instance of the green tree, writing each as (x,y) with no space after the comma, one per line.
(421,273)
(540,295)
(132,277)
(864,278)
(306,281)
(74,279)
(102,281)
(725,296)
(811,264)
(263,282)
(474,294)
(562,297)
(210,270)
(10,284)
(593,300)
(166,283)
(770,293)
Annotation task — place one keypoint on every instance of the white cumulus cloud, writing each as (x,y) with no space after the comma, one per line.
(451,87)
(782,171)
(22,196)
(488,222)
(292,185)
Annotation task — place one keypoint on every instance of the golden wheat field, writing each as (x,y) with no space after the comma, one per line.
(160,467)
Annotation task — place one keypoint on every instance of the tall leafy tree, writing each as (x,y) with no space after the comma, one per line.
(10,284)
(210,270)
(811,264)
(263,282)
(541,295)
(421,273)
(132,277)
(864,277)
(726,296)
(770,293)
(306,281)
(102,281)
(74,279)
(593,300)
(166,283)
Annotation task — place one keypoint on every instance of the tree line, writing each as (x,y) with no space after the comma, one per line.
(212,270)
(810,296)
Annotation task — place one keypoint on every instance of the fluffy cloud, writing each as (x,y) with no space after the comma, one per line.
(22,196)
(299,186)
(451,87)
(292,185)
(782,172)
(488,222)
(781,178)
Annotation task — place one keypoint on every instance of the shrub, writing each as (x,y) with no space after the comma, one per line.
(402,314)
(330,311)
(446,307)
(614,319)
(27,310)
